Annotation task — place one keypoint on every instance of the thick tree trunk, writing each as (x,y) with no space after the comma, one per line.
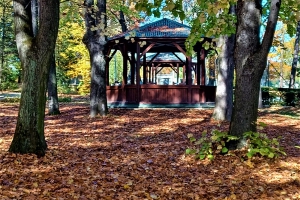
(250,62)
(295,58)
(224,93)
(95,42)
(35,54)
(53,105)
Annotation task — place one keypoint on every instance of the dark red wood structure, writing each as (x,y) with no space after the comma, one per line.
(164,36)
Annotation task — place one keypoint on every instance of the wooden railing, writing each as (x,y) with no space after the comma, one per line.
(161,94)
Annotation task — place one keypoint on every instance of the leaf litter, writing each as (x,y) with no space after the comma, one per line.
(139,154)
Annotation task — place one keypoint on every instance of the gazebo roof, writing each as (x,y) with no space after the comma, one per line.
(163,28)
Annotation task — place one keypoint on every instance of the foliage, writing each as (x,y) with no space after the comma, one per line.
(11,100)
(281,96)
(9,61)
(281,56)
(72,57)
(259,143)
(209,146)
(9,78)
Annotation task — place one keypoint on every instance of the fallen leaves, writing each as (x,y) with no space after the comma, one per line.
(139,154)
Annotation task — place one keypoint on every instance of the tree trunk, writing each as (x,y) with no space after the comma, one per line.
(122,21)
(2,45)
(53,105)
(295,58)
(35,54)
(95,42)
(250,62)
(224,93)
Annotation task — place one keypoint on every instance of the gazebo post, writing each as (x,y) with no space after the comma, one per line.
(107,71)
(198,74)
(202,61)
(125,52)
(189,77)
(184,74)
(177,65)
(144,70)
(151,72)
(132,68)
(138,65)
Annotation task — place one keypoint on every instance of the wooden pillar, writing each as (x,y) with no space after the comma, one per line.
(132,69)
(188,70)
(107,70)
(183,74)
(137,67)
(177,65)
(125,54)
(124,82)
(155,74)
(150,72)
(144,70)
(189,77)
(202,56)
(198,68)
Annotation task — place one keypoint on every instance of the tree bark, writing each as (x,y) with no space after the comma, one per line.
(295,57)
(2,44)
(95,41)
(123,22)
(224,93)
(250,62)
(53,105)
(35,54)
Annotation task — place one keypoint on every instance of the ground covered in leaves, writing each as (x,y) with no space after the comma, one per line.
(140,154)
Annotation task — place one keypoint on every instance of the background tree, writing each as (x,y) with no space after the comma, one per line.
(35,54)
(280,56)
(295,57)
(224,92)
(95,41)
(9,67)
(72,57)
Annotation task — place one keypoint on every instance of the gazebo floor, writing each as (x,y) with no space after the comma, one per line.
(207,105)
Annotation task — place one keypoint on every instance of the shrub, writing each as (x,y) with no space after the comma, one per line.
(258,144)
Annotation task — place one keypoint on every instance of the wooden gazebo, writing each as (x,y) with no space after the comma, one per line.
(143,48)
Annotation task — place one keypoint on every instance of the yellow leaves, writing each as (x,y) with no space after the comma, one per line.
(70,181)
(249,163)
(202,18)
(35,184)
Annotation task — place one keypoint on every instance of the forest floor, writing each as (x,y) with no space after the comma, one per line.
(140,154)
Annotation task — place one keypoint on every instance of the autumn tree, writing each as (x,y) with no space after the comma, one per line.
(35,53)
(280,56)
(224,93)
(8,50)
(95,41)
(295,57)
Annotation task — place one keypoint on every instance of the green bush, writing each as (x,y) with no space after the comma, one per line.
(209,146)
(64,99)
(258,144)
(11,100)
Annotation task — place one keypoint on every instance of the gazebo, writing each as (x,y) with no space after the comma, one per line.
(145,51)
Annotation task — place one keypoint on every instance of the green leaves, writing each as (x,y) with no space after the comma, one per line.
(260,144)
(207,146)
